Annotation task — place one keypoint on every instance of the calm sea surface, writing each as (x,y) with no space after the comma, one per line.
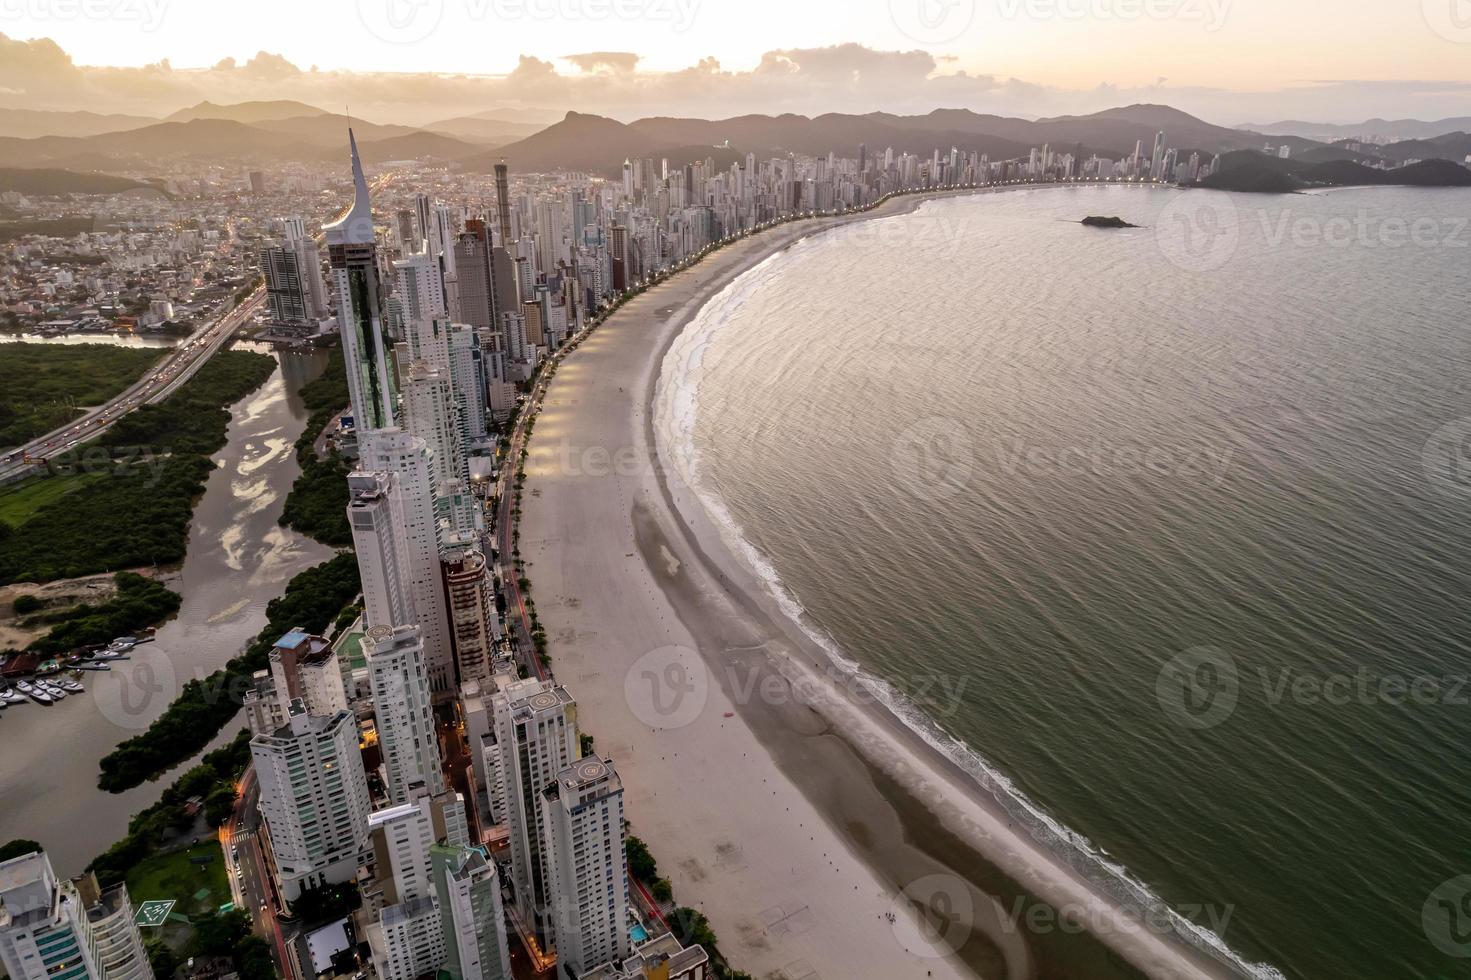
(1171,526)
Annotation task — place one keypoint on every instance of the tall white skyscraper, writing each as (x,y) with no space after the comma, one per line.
(467,586)
(314,797)
(585,841)
(116,941)
(402,706)
(408,939)
(352,251)
(44,930)
(429,413)
(472,916)
(535,728)
(468,375)
(375,515)
(407,459)
(419,283)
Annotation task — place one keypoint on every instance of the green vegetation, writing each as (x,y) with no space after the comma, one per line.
(176,875)
(25,605)
(157,458)
(317,503)
(17,847)
(312,600)
(44,386)
(139,602)
(169,817)
(228,936)
(20,501)
(195,418)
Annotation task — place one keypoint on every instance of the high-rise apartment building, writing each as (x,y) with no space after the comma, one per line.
(535,728)
(472,917)
(403,709)
(314,797)
(407,939)
(44,930)
(306,667)
(375,515)
(585,840)
(117,944)
(467,585)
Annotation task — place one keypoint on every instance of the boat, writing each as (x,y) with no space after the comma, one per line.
(11,696)
(94,667)
(34,693)
(71,686)
(56,693)
(48,668)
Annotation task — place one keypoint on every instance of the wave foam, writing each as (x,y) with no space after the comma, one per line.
(676,408)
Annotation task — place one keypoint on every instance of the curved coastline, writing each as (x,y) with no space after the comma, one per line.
(673,408)
(941,821)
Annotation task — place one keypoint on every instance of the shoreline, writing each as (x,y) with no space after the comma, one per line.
(920,831)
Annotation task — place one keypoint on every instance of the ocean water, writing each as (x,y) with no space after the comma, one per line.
(1164,533)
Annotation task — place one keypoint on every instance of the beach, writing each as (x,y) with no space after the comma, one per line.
(821,835)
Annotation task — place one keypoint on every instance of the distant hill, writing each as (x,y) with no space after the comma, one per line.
(579,142)
(495,132)
(264,143)
(1253,172)
(31,123)
(246,112)
(51,182)
(1395,129)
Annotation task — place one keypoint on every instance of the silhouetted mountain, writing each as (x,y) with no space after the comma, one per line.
(246,112)
(1448,146)
(31,123)
(1257,173)
(493,132)
(1394,129)
(310,140)
(52,182)
(579,142)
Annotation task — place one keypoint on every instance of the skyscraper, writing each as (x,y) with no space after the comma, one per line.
(535,728)
(402,707)
(467,583)
(472,918)
(314,797)
(352,251)
(306,667)
(407,459)
(115,938)
(408,940)
(44,931)
(585,840)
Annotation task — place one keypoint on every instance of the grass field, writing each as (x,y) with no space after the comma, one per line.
(171,875)
(19,501)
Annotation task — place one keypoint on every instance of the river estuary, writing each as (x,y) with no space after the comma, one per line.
(238,560)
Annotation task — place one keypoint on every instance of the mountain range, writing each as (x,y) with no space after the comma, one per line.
(260,133)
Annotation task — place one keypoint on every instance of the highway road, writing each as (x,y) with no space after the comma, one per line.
(181,364)
(246,864)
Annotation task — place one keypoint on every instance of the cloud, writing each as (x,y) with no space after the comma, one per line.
(618,61)
(38,74)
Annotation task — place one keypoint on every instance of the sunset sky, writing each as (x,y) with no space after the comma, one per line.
(1237,60)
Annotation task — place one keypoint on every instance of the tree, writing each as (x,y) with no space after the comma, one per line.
(662,891)
(162,959)
(220,804)
(17,847)
(641,863)
(253,959)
